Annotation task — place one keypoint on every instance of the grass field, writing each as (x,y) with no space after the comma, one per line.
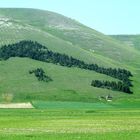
(70,124)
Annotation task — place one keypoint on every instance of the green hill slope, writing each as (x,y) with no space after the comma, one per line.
(131,40)
(63,35)
(68,83)
(66,30)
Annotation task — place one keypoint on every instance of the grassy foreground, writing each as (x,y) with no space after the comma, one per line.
(70,124)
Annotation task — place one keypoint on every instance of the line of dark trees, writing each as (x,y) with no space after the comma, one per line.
(40,74)
(39,52)
(118,86)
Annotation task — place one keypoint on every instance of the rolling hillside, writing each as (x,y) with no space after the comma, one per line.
(131,40)
(64,35)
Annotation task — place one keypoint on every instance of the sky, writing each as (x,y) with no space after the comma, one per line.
(106,16)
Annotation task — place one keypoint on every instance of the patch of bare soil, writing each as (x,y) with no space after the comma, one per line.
(16,105)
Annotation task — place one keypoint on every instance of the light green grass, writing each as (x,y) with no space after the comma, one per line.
(69,84)
(32,124)
(131,40)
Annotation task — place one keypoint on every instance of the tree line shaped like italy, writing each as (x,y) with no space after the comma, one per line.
(35,50)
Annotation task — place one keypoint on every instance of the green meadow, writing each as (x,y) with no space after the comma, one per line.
(70,123)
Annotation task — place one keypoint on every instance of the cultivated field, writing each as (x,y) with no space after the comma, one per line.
(70,124)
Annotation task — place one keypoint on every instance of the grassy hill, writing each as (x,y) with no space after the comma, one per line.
(131,40)
(68,83)
(63,35)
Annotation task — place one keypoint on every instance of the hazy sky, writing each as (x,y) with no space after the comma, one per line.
(107,16)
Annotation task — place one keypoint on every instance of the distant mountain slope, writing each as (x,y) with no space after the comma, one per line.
(63,35)
(70,31)
(131,40)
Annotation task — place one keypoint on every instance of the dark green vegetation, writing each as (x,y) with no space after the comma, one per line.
(40,74)
(118,86)
(36,51)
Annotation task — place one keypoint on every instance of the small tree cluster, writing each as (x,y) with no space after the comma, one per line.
(118,86)
(40,74)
